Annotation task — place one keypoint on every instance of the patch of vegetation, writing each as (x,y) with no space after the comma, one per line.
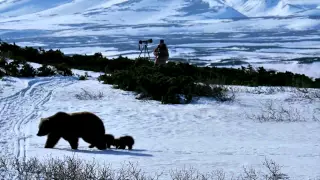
(94,62)
(2,66)
(170,83)
(86,95)
(84,77)
(72,168)
(18,68)
(271,111)
(45,70)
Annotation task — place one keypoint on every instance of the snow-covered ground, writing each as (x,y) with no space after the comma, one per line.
(260,32)
(206,134)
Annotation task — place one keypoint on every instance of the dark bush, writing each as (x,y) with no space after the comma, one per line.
(12,69)
(45,70)
(165,83)
(157,84)
(3,62)
(27,71)
(84,77)
(63,69)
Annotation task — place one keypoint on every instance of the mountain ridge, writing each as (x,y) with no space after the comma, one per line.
(205,9)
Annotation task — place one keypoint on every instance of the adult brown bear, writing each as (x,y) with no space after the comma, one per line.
(71,127)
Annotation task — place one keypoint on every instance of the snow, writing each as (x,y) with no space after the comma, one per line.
(265,8)
(211,29)
(206,134)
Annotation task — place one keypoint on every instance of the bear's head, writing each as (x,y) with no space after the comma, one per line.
(48,124)
(109,138)
(44,127)
(116,142)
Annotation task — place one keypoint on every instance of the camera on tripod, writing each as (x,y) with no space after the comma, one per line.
(145,41)
(144,47)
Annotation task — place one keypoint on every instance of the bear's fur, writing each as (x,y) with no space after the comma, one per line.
(108,139)
(123,141)
(71,127)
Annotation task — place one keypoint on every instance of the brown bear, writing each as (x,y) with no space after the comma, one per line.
(123,141)
(71,127)
(108,139)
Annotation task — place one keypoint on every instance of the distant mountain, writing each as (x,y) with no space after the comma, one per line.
(157,10)
(262,8)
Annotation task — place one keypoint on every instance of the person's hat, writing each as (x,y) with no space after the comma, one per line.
(161,41)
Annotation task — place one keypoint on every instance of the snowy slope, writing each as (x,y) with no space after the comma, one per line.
(125,9)
(166,8)
(22,7)
(206,135)
(255,8)
(59,14)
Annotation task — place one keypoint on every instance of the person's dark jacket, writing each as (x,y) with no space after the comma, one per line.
(163,50)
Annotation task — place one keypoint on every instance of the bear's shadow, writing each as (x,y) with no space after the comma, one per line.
(133,152)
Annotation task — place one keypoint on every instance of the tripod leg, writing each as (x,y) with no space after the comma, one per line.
(145,50)
(148,53)
(140,52)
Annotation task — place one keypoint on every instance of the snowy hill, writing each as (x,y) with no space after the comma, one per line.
(206,135)
(255,8)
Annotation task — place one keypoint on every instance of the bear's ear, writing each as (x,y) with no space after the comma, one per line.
(42,119)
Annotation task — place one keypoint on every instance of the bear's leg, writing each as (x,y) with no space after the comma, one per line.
(122,146)
(98,142)
(91,146)
(101,145)
(130,147)
(73,141)
(52,140)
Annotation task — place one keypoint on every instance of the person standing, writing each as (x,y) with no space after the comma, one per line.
(162,53)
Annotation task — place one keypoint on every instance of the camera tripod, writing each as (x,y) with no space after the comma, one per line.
(144,50)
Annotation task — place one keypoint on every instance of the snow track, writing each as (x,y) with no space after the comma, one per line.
(20,109)
(206,135)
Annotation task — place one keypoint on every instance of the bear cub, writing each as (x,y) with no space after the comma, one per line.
(71,127)
(108,139)
(123,142)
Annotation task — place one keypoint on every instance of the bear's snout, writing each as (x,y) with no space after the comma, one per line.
(40,134)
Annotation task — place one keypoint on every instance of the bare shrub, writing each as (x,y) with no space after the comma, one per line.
(86,95)
(190,173)
(265,90)
(272,113)
(316,115)
(72,168)
(231,94)
(249,174)
(222,93)
(274,171)
(306,93)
